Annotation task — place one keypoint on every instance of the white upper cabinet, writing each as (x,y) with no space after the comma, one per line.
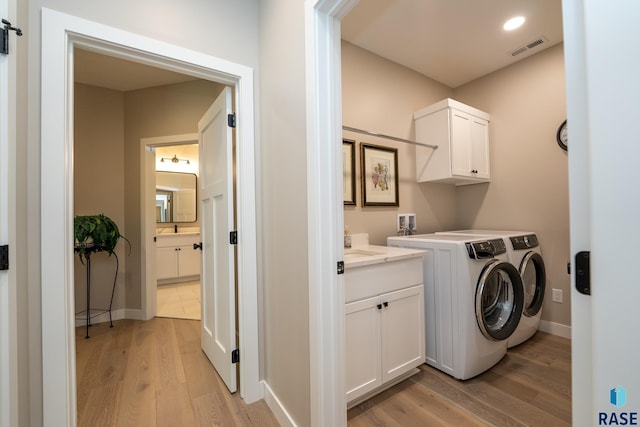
(461,133)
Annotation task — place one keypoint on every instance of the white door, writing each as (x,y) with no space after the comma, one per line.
(603,106)
(8,296)
(218,323)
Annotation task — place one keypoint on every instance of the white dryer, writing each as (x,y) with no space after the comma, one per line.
(525,253)
(473,300)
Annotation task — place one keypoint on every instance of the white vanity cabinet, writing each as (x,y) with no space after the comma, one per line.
(461,133)
(384,324)
(176,260)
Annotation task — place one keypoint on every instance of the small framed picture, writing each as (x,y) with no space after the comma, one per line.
(379,175)
(349,172)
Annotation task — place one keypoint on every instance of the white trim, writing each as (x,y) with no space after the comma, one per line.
(325,210)
(553,328)
(60,32)
(278,409)
(9,390)
(147,278)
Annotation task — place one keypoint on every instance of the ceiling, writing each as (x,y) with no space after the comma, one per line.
(118,74)
(452,41)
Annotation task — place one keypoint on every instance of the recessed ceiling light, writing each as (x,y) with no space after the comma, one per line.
(513,23)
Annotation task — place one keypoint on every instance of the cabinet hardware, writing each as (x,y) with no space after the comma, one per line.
(386,304)
(379,306)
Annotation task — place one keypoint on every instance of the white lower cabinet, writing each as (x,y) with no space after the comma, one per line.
(384,332)
(175,257)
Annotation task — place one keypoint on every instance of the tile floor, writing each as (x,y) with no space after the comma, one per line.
(179,300)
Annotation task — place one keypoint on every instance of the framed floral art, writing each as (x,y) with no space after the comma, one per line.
(379,175)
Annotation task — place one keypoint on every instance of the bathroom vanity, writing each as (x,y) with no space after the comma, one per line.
(176,258)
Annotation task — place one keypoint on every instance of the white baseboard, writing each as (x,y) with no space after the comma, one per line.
(134,314)
(279,411)
(118,314)
(555,329)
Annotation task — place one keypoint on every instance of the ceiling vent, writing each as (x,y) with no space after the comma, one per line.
(527,47)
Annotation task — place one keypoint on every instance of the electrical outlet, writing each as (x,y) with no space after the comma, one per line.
(406,221)
(556,295)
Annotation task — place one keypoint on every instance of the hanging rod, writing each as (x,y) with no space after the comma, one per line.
(394,138)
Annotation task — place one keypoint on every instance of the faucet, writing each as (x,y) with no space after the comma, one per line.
(175,228)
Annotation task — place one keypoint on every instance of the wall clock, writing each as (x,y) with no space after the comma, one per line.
(561,136)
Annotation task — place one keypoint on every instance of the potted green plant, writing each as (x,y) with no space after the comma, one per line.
(95,233)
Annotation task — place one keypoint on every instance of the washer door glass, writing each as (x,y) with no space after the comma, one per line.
(499,300)
(534,279)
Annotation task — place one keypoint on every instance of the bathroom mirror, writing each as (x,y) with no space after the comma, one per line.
(176,197)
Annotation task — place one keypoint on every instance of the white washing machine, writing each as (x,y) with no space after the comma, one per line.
(525,253)
(473,300)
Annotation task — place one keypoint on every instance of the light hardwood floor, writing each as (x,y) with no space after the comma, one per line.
(153,373)
(531,386)
(179,300)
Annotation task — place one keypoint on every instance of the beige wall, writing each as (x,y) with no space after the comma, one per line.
(529,184)
(98,173)
(282,194)
(379,95)
(529,174)
(158,111)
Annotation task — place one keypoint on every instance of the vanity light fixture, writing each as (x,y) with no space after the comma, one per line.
(175,159)
(513,23)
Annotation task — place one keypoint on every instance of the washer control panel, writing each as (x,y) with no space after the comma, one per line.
(527,241)
(486,249)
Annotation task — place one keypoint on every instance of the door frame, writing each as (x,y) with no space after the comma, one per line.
(9,388)
(325,212)
(60,34)
(147,258)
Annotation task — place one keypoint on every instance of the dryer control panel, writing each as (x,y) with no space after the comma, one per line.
(486,249)
(527,241)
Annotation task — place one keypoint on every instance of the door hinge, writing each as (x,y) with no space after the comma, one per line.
(235,356)
(4,36)
(340,267)
(4,257)
(583,272)
(233,238)
(231,120)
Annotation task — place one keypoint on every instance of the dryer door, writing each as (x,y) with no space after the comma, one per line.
(499,300)
(534,279)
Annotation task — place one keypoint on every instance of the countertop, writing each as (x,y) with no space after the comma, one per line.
(360,256)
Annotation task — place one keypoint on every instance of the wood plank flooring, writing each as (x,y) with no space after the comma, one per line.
(154,374)
(531,386)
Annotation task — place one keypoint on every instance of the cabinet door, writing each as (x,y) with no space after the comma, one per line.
(362,336)
(460,143)
(189,261)
(402,331)
(166,263)
(480,148)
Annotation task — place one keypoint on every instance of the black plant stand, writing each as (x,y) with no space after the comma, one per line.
(90,313)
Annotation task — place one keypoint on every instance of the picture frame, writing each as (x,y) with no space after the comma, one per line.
(379,166)
(349,172)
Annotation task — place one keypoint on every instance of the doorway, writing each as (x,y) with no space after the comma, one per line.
(62,33)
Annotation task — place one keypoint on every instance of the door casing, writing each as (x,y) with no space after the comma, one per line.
(60,34)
